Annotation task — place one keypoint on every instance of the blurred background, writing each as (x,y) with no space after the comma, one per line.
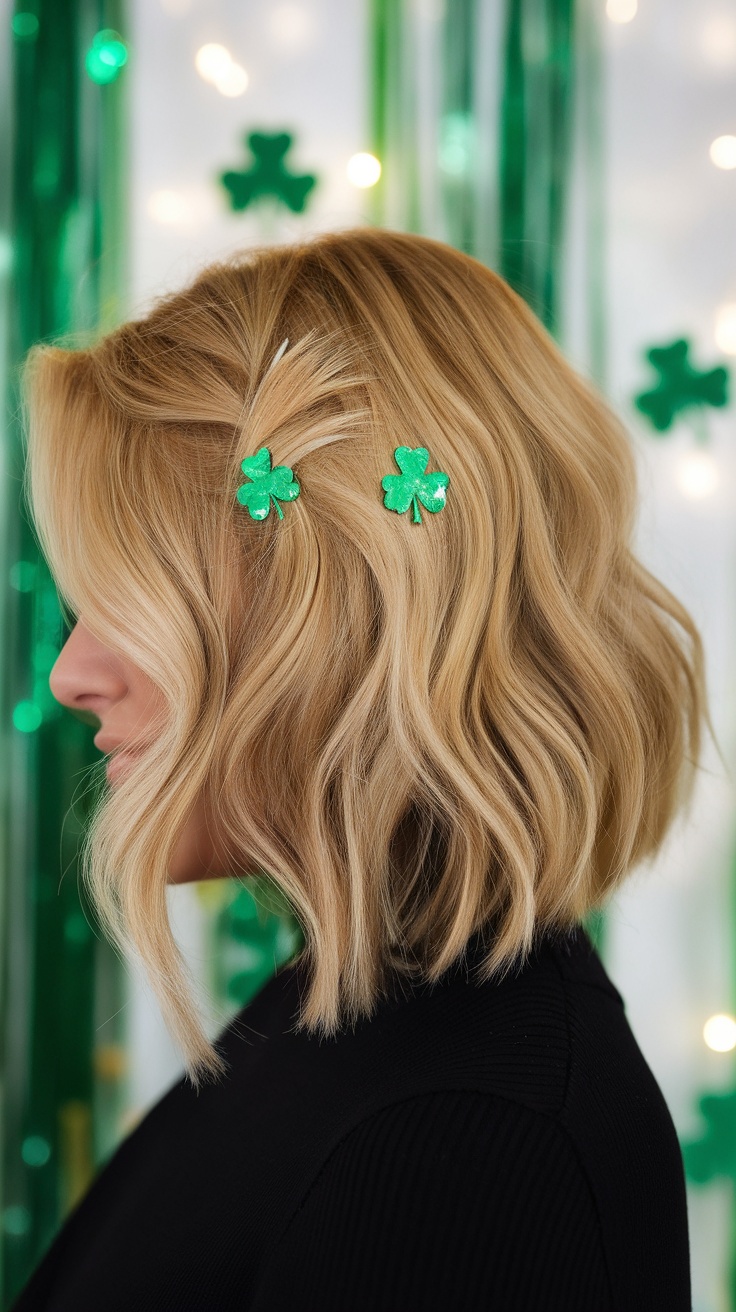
(586,150)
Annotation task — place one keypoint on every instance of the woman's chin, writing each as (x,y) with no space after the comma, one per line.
(196,856)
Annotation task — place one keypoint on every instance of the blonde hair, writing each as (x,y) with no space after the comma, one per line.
(418,731)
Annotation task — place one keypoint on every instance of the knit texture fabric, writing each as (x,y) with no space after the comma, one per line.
(500,1146)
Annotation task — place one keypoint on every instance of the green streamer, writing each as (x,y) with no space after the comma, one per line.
(458,128)
(394,198)
(380,43)
(536,136)
(512,166)
(590,75)
(546,56)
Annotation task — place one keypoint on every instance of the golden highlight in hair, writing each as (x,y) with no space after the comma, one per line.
(417,731)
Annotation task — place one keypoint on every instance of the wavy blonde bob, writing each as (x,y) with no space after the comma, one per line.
(419,731)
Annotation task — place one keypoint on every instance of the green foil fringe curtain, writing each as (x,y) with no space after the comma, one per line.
(487,119)
(62,1062)
(535,134)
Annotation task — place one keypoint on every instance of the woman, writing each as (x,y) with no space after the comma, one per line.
(345,543)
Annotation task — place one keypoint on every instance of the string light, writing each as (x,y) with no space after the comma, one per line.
(621,11)
(719,1033)
(697,475)
(363,169)
(215,64)
(723,152)
(725,330)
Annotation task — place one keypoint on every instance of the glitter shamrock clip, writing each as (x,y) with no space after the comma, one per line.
(268,485)
(413,485)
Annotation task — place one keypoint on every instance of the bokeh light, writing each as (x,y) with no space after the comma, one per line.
(697,475)
(621,11)
(27,717)
(168,207)
(16,1220)
(723,152)
(234,82)
(215,64)
(363,169)
(24,26)
(212,61)
(35,1150)
(76,929)
(106,56)
(719,1033)
(457,143)
(23,575)
(717,40)
(110,1061)
(725,329)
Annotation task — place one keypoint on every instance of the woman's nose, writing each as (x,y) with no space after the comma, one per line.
(82,677)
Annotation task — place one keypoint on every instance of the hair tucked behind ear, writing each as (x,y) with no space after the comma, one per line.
(486,720)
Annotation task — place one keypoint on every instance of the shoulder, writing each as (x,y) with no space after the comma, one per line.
(468,1143)
(445,1199)
(475,1148)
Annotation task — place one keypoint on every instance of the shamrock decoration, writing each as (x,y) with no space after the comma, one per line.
(713,1156)
(268,175)
(413,485)
(680,386)
(715,1153)
(267,484)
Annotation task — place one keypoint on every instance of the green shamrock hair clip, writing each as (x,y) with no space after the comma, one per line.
(268,485)
(413,485)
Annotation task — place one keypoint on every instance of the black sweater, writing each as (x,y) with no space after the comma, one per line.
(502,1146)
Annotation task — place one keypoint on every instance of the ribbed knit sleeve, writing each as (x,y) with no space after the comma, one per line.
(446,1201)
